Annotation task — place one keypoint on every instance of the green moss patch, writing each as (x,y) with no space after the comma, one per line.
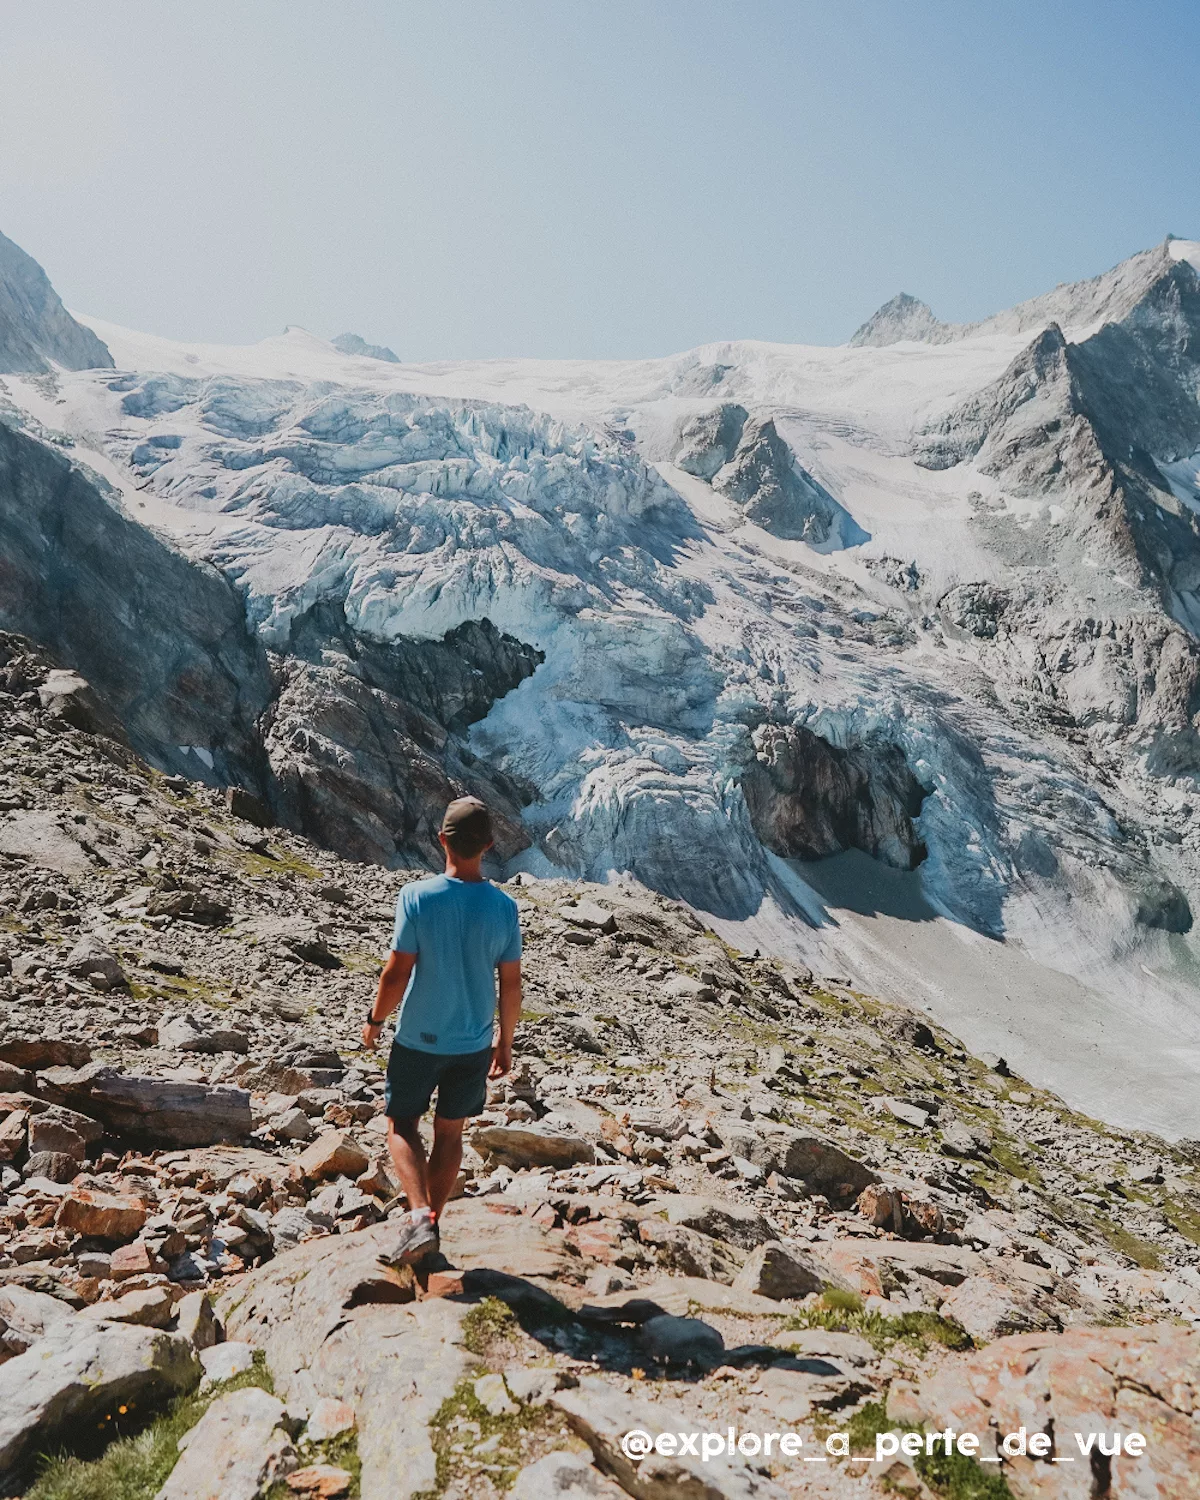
(136,1467)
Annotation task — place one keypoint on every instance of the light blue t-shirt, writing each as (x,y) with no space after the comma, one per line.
(459,930)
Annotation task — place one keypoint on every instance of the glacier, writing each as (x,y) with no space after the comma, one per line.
(883,656)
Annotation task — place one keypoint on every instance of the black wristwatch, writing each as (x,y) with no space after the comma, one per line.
(371,1021)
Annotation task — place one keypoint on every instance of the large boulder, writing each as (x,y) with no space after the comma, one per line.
(159,1111)
(1086,1380)
(722,1220)
(67,696)
(75,1376)
(200,1031)
(531,1145)
(773,1271)
(239,1448)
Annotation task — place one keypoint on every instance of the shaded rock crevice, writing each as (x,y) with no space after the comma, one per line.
(809,799)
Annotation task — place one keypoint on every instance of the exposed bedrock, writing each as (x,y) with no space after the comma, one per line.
(808,798)
(364,742)
(36,330)
(163,639)
(353,742)
(708,441)
(777,494)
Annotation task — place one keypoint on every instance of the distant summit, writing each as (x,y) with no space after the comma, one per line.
(352,343)
(1078,307)
(36,330)
(904,317)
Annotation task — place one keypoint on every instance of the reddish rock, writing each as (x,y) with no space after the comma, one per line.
(333,1154)
(12,1134)
(444,1284)
(881,1206)
(132,1260)
(321,1480)
(103,1216)
(1086,1380)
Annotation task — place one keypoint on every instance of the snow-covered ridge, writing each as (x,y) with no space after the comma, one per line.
(989,621)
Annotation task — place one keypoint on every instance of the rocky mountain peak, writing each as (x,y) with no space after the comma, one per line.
(36,330)
(904,317)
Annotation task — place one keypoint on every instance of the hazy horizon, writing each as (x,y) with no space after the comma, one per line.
(612,181)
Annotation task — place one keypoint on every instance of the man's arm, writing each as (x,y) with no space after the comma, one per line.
(510,1014)
(392,984)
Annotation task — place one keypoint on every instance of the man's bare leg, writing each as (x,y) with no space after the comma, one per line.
(408,1153)
(444,1162)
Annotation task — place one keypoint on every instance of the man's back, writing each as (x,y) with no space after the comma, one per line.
(459,930)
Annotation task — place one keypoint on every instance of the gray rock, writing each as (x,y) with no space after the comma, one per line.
(57,1166)
(36,330)
(534,1385)
(601,1418)
(531,1146)
(293,1125)
(67,696)
(200,1031)
(683,1341)
(722,1220)
(492,1393)
(689,1252)
(775,1272)
(989,1310)
(707,442)
(27,1316)
(224,1361)
(159,1111)
(196,1321)
(90,960)
(73,1376)
(777,494)
(40,838)
(569,1474)
(239,1448)
(591,915)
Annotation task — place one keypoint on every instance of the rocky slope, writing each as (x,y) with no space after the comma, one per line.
(696,1144)
(727,623)
(36,331)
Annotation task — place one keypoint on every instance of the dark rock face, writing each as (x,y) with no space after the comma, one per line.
(809,799)
(357,743)
(364,737)
(35,328)
(353,343)
(709,441)
(777,494)
(162,640)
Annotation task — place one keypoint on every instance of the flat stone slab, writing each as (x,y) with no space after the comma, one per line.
(40,838)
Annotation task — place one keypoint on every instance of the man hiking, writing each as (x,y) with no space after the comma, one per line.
(453,933)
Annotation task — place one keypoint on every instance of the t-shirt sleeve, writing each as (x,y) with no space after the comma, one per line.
(404,939)
(512,942)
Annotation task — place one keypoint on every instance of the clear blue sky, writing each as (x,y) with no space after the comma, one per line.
(587,177)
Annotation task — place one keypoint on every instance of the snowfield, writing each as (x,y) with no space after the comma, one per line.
(545,496)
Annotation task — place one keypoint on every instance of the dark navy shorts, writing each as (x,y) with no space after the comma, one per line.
(460,1079)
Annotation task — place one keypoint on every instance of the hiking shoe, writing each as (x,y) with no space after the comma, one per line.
(414,1242)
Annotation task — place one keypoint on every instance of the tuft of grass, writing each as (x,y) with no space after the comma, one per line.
(959,1478)
(489,1321)
(522,1435)
(137,1467)
(843,1312)
(341,1451)
(866,1424)
(952,1478)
